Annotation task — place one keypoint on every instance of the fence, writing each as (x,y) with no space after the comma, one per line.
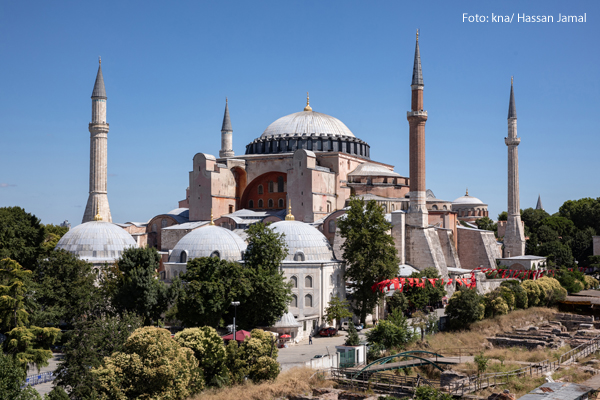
(381,381)
(33,380)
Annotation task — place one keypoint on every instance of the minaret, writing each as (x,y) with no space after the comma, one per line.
(539,205)
(417,212)
(514,239)
(98,199)
(226,135)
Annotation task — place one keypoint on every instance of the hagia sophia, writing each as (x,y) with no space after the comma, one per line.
(298,175)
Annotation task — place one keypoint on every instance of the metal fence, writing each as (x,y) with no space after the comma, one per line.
(33,380)
(380,381)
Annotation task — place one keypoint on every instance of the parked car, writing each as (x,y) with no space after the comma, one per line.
(346,325)
(328,332)
(359,327)
(320,356)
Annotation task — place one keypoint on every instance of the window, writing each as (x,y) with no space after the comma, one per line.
(281,205)
(308,282)
(294,281)
(215,254)
(304,325)
(332,226)
(434,207)
(331,279)
(251,204)
(393,207)
(299,256)
(328,206)
(260,189)
(280,184)
(294,302)
(153,227)
(260,203)
(230,209)
(271,203)
(163,223)
(271,186)
(339,279)
(183,257)
(308,301)
(445,207)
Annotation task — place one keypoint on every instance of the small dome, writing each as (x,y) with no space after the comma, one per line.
(372,169)
(97,241)
(287,320)
(466,199)
(305,242)
(309,123)
(209,241)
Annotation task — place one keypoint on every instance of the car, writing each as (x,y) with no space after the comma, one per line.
(320,356)
(328,332)
(359,327)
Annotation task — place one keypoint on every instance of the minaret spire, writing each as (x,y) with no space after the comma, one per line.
(539,205)
(512,109)
(417,77)
(97,204)
(226,134)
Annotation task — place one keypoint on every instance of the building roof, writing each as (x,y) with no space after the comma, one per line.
(372,169)
(96,241)
(466,199)
(204,242)
(226,121)
(186,225)
(557,391)
(309,123)
(287,320)
(99,90)
(302,237)
(417,77)
(539,205)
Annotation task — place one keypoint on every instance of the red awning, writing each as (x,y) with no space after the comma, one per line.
(240,336)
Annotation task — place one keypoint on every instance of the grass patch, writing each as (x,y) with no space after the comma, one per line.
(571,374)
(295,381)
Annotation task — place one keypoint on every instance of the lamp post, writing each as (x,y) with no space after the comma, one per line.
(234,304)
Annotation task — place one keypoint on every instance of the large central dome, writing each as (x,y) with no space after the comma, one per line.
(307,123)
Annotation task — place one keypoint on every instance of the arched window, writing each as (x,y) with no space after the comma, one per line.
(299,256)
(280,184)
(308,301)
(260,189)
(270,203)
(153,227)
(281,205)
(445,207)
(215,254)
(251,204)
(183,257)
(294,302)
(163,223)
(332,226)
(328,206)
(393,207)
(434,207)
(260,203)
(271,186)
(308,282)
(294,281)
(331,279)
(230,209)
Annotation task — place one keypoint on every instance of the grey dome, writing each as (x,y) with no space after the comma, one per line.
(304,239)
(309,123)
(205,241)
(97,241)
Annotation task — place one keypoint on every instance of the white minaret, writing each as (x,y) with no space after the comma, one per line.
(514,238)
(226,135)
(97,203)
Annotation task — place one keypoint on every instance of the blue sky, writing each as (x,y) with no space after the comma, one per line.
(168,67)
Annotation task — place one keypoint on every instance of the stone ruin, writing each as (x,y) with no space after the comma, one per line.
(570,329)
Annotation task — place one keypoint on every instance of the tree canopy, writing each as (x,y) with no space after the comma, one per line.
(368,250)
(21,236)
(337,309)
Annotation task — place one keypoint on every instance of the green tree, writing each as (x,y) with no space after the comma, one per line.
(269,293)
(337,309)
(464,307)
(430,393)
(533,292)
(21,236)
(255,358)
(420,297)
(150,366)
(397,301)
(482,363)
(57,393)
(211,284)
(86,345)
(136,287)
(209,350)
(12,377)
(393,332)
(551,292)
(521,300)
(368,250)
(487,224)
(64,289)
(503,216)
(52,234)
(572,281)
(352,339)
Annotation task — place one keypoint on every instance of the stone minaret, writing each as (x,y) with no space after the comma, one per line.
(514,239)
(226,135)
(417,212)
(98,200)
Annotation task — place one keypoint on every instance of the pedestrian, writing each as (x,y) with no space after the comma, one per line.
(309,339)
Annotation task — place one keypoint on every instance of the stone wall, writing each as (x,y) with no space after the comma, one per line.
(477,248)
(485,285)
(423,249)
(447,242)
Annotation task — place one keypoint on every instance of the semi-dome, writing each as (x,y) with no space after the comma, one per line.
(305,242)
(307,123)
(97,241)
(209,241)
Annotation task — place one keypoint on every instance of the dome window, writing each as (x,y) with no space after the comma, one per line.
(251,204)
(183,257)
(332,226)
(271,186)
(308,282)
(163,223)
(299,256)
(216,254)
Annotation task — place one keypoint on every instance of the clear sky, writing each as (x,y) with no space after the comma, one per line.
(168,67)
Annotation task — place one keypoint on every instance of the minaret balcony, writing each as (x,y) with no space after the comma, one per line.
(420,113)
(512,141)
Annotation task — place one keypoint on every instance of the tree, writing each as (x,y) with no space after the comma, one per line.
(391,333)
(487,224)
(269,293)
(150,366)
(482,363)
(337,309)
(27,344)
(52,234)
(12,377)
(503,216)
(420,297)
(21,236)
(520,295)
(64,289)
(368,250)
(572,281)
(209,350)
(533,292)
(397,301)
(426,323)
(211,284)
(464,307)
(255,358)
(352,339)
(551,292)
(136,287)
(86,345)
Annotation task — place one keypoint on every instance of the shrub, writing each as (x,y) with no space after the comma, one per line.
(521,300)
(390,333)
(551,291)
(464,308)
(532,289)
(352,339)
(591,282)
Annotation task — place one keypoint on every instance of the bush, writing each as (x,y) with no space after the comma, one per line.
(532,289)
(591,282)
(551,291)
(391,333)
(352,339)
(572,281)
(521,299)
(464,308)
(429,393)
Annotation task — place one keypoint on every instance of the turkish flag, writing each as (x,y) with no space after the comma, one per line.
(432,281)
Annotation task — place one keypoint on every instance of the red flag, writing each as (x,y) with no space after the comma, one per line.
(459,281)
(432,281)
(449,281)
(541,274)
(410,282)
(442,281)
(503,274)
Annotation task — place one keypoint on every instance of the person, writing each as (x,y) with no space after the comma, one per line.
(310,339)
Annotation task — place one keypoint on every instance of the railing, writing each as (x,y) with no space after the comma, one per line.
(382,381)
(33,380)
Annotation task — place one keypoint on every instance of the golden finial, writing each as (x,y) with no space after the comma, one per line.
(99,60)
(417,35)
(467,192)
(289,216)
(98,217)
(212,222)
(308,107)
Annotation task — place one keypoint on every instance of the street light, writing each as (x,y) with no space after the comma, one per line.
(234,304)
